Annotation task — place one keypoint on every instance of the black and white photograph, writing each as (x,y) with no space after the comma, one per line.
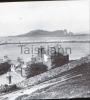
(44,50)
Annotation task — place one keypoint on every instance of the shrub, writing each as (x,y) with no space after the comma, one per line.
(4,67)
(35,69)
(58,59)
(8,88)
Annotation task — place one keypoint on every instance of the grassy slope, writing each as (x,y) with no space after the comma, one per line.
(61,82)
(53,73)
(78,86)
(69,84)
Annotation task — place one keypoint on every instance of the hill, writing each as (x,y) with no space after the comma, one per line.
(75,85)
(43,33)
(68,81)
(56,33)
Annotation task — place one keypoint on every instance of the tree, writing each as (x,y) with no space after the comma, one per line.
(4,67)
(35,69)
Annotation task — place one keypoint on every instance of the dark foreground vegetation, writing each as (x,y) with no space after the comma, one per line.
(8,88)
(4,67)
(35,69)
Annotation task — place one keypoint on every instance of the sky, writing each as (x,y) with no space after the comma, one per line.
(22,17)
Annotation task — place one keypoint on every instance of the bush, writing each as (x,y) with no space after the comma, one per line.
(8,88)
(59,59)
(4,67)
(35,69)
